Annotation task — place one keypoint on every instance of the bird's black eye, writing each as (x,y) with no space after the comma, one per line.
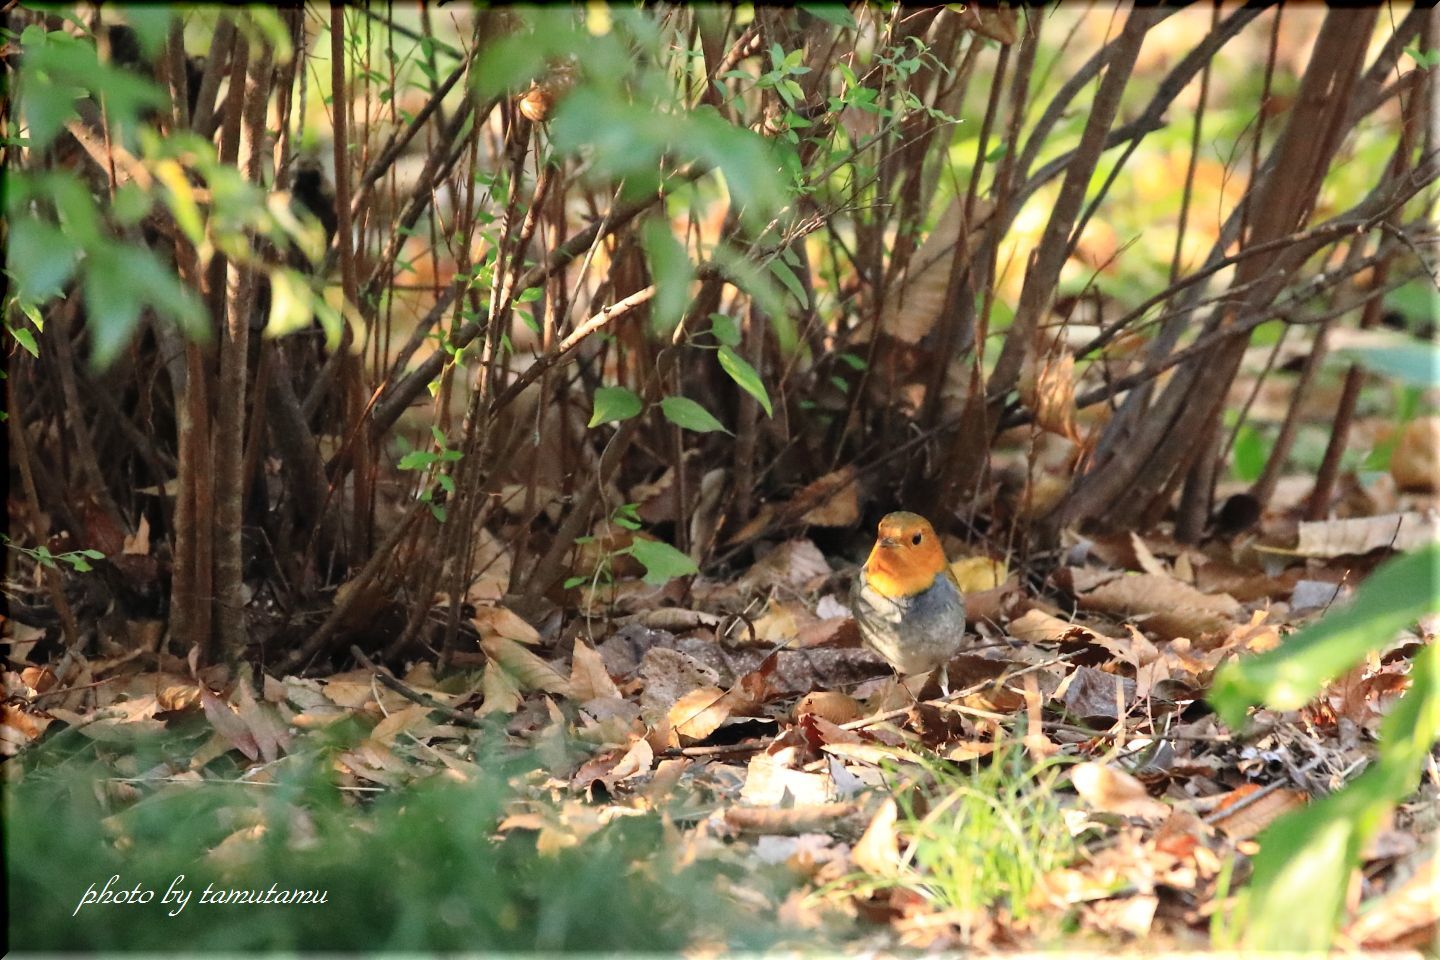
(917,538)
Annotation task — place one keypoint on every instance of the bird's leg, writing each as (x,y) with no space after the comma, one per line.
(945,680)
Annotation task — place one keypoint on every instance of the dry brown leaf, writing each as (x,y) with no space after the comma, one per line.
(229,724)
(878,850)
(1171,608)
(18,729)
(806,818)
(617,765)
(1109,790)
(407,719)
(1407,916)
(830,705)
(835,499)
(352,694)
(780,621)
(912,314)
(530,672)
(139,543)
(794,563)
(1357,535)
(1039,627)
(270,735)
(1415,461)
(979,573)
(700,712)
(1256,816)
(770,782)
(501,622)
(500,692)
(589,680)
(1050,392)
(1145,559)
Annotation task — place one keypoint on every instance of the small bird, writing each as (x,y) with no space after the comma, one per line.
(906,600)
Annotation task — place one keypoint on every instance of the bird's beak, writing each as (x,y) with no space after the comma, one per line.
(889,543)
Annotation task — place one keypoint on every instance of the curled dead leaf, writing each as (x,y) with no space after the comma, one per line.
(878,849)
(829,705)
(1110,790)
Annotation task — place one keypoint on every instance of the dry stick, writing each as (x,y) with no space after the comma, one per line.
(957,285)
(321,638)
(464,718)
(1152,118)
(250,92)
(395,400)
(350,367)
(64,362)
(1135,472)
(947,701)
(1039,289)
(967,461)
(1286,199)
(399,140)
(20,441)
(1317,506)
(1264,486)
(216,61)
(546,569)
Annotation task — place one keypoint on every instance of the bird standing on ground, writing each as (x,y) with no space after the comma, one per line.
(906,600)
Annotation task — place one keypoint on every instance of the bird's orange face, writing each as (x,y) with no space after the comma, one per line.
(907,556)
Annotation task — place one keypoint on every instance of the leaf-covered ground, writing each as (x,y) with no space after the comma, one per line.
(724,765)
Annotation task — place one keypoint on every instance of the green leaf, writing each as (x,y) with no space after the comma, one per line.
(725,329)
(672,270)
(152,24)
(25,338)
(662,562)
(792,283)
(292,303)
(745,376)
(613,404)
(1286,678)
(42,259)
(761,285)
(1250,454)
(417,460)
(1307,857)
(686,413)
(1425,59)
(1410,359)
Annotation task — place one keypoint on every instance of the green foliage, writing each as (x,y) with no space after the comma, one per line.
(689,415)
(57,70)
(1409,359)
(662,562)
(1250,453)
(613,404)
(973,839)
(744,375)
(421,867)
(1287,677)
(1306,857)
(672,272)
(77,559)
